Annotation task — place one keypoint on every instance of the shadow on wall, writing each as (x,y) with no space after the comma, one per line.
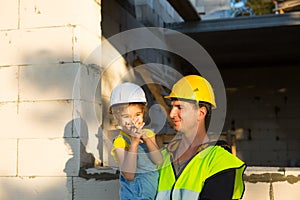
(54,187)
(45,108)
(41,114)
(77,145)
(55,86)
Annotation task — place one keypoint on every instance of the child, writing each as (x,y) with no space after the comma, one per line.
(135,148)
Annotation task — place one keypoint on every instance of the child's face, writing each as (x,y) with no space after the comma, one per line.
(131,115)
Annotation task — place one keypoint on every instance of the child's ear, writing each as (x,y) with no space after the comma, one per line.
(116,119)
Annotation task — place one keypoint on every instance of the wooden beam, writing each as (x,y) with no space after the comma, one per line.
(154,89)
(185,9)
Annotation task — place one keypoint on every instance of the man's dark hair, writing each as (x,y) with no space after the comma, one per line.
(208,114)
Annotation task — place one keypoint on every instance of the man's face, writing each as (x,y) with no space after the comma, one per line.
(184,116)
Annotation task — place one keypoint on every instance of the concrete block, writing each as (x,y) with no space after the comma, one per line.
(140,11)
(265,157)
(9,9)
(292,158)
(95,189)
(284,190)
(8,155)
(265,124)
(87,126)
(252,145)
(216,5)
(47,45)
(8,84)
(284,157)
(243,145)
(263,170)
(90,114)
(256,191)
(9,119)
(44,119)
(242,156)
(91,10)
(36,188)
(60,13)
(112,76)
(60,81)
(47,119)
(87,107)
(140,2)
(48,81)
(49,157)
(86,46)
(256,157)
(44,13)
(271,145)
(292,171)
(290,126)
(87,85)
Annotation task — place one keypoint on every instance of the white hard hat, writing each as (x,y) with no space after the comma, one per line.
(127,93)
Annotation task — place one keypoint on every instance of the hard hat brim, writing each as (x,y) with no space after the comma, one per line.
(173,97)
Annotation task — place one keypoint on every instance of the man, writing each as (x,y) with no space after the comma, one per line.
(194,167)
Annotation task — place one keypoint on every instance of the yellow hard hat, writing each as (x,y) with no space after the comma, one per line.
(193,87)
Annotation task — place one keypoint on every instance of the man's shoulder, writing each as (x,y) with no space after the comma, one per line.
(223,157)
(224,145)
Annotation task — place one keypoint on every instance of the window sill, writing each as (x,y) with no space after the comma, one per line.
(100,173)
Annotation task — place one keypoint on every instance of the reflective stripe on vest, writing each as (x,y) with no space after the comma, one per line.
(190,182)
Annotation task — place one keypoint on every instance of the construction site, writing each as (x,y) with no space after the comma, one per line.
(60,61)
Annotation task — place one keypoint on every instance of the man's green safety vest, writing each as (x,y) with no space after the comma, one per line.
(203,165)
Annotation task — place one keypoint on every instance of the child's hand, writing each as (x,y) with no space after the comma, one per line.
(136,129)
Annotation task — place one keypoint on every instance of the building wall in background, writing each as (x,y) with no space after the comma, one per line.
(263,109)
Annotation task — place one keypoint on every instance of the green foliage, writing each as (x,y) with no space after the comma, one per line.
(261,7)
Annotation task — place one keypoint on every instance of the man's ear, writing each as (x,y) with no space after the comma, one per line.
(202,112)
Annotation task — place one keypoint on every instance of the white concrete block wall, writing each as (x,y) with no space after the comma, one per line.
(40,119)
(10,11)
(45,47)
(37,14)
(51,45)
(282,190)
(9,117)
(261,191)
(94,189)
(48,157)
(86,48)
(36,188)
(9,83)
(8,155)
(47,81)
(271,183)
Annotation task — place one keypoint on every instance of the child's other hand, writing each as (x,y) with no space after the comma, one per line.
(136,129)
